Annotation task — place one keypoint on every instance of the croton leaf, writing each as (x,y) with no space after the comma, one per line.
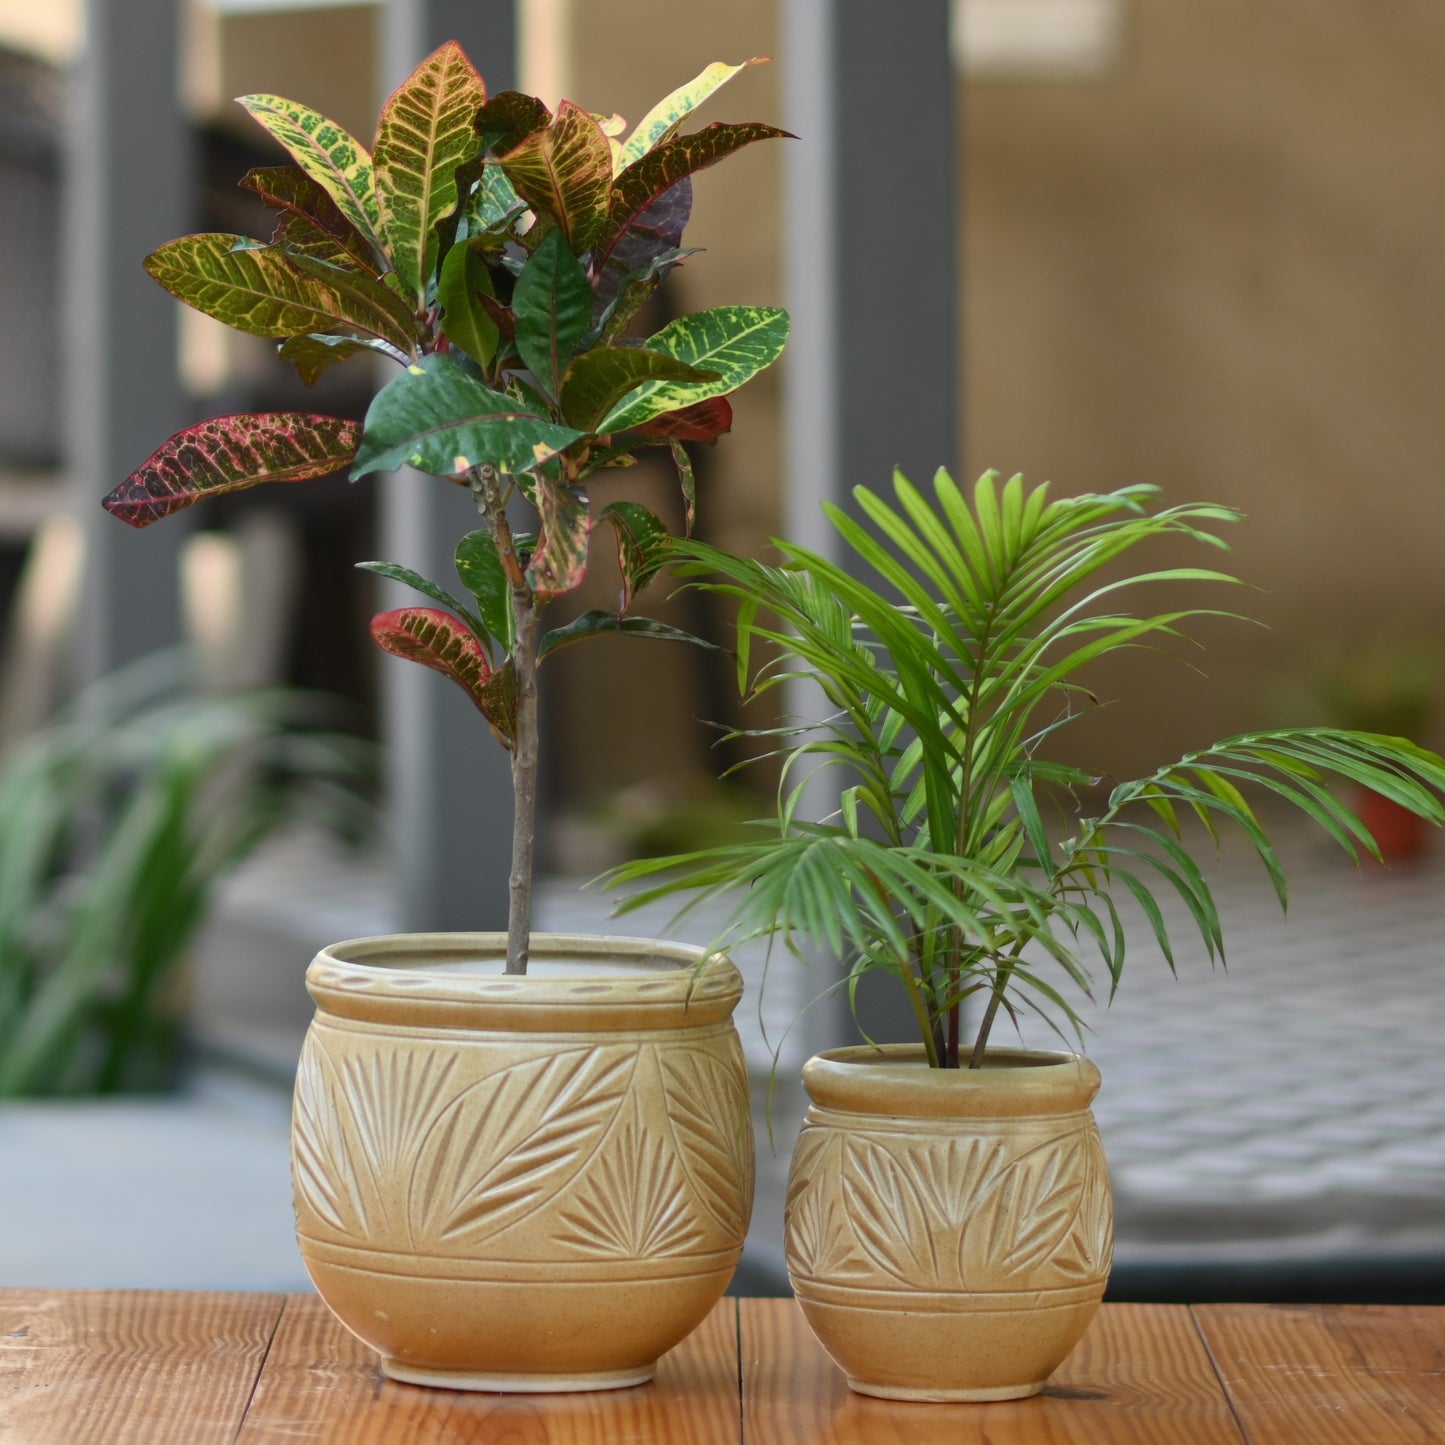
(592,624)
(313,353)
(560,562)
(438,417)
(597,380)
(565,171)
(647,250)
(552,302)
(334,159)
(293,192)
(737,342)
(645,180)
(509,117)
(367,304)
(670,111)
(642,544)
(424,134)
(464,278)
(256,289)
(228,454)
(704,421)
(479,565)
(438,641)
(299,235)
(492,202)
(688,481)
(395,572)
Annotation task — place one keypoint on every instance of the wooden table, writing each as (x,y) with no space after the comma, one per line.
(132,1368)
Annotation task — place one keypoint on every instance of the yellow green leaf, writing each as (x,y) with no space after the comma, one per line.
(332,157)
(664,117)
(425,134)
(565,171)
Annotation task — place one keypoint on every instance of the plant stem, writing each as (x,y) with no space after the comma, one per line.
(995,998)
(486,489)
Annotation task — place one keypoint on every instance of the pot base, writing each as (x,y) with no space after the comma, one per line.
(1003,1392)
(517,1384)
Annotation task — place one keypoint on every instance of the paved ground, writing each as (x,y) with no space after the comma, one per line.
(1279,1127)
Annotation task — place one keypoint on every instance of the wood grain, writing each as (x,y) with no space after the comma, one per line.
(120,1367)
(1335,1373)
(1139,1374)
(322,1384)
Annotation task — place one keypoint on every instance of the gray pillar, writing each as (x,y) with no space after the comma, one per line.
(450,783)
(128,185)
(871,271)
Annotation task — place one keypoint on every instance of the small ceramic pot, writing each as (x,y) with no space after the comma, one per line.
(949,1233)
(521,1183)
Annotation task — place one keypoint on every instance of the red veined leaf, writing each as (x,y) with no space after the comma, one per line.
(597,380)
(565,171)
(292,191)
(424,135)
(298,235)
(229,454)
(703,421)
(508,118)
(644,181)
(439,641)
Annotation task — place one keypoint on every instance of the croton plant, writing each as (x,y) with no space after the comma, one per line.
(500,253)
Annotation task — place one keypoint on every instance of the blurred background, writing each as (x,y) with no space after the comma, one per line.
(1095,241)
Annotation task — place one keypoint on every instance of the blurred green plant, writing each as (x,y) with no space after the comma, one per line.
(117,823)
(949,679)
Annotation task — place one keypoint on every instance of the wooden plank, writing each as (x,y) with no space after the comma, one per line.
(1139,1374)
(129,1367)
(321,1383)
(1331,1373)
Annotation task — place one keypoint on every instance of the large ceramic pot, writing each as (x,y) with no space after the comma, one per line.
(949,1233)
(521,1183)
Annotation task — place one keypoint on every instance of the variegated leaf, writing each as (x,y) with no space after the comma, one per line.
(645,180)
(439,641)
(492,202)
(439,418)
(334,159)
(509,117)
(668,113)
(425,133)
(596,622)
(560,561)
(565,171)
(229,454)
(299,235)
(369,304)
(261,291)
(737,342)
(314,353)
(595,382)
(293,192)
(642,543)
(687,480)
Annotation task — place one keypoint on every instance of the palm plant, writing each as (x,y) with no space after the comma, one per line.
(948,676)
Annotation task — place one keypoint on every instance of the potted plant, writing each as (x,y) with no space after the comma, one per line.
(948,1217)
(505,1178)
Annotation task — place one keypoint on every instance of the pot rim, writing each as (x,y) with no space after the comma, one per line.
(619,982)
(895,1080)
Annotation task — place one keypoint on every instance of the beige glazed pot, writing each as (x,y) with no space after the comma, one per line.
(526,1183)
(949,1233)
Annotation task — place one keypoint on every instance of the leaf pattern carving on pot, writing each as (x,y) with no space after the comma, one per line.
(954,1214)
(633,1203)
(514,1140)
(353,1125)
(711,1126)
